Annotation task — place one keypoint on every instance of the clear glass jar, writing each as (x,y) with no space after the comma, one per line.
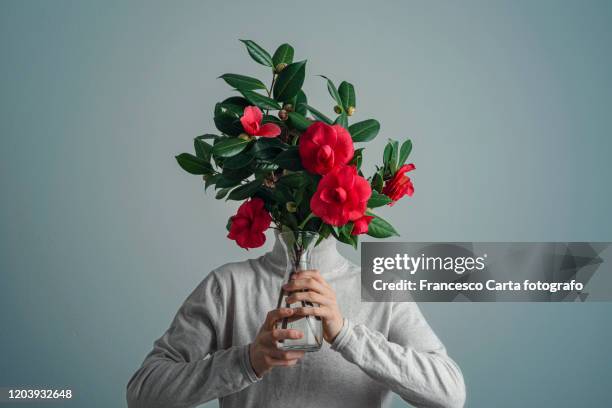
(298,248)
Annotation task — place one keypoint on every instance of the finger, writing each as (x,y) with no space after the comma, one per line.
(312,311)
(272,362)
(309,296)
(275,315)
(275,335)
(294,317)
(310,273)
(284,354)
(308,283)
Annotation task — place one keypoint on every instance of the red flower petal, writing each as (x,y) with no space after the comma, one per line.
(269,130)
(323,147)
(251,120)
(361,225)
(344,145)
(405,168)
(341,196)
(249,223)
(400,185)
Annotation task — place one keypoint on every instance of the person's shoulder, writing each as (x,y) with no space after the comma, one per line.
(221,279)
(228,273)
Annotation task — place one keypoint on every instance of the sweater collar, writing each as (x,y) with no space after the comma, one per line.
(325,258)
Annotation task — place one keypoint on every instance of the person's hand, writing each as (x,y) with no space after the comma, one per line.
(263,351)
(309,286)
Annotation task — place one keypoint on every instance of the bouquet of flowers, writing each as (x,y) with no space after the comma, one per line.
(293,165)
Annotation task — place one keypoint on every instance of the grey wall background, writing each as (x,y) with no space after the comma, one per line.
(103,236)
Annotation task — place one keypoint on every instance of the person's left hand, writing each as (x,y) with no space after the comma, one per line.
(317,291)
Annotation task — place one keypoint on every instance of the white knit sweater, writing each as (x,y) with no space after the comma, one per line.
(382,348)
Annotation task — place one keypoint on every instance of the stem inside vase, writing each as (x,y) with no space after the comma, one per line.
(298,248)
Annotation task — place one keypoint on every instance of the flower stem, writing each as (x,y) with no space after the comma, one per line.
(270,90)
(303,224)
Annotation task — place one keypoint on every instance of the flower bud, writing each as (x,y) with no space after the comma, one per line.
(244,136)
(288,107)
(337,109)
(283,115)
(350,110)
(291,206)
(280,67)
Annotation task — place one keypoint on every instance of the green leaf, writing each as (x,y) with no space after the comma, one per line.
(318,115)
(331,88)
(379,228)
(263,167)
(298,121)
(342,120)
(290,220)
(404,152)
(347,228)
(192,164)
(229,147)
(265,193)
(260,100)
(364,131)
(378,200)
(335,230)
(203,149)
(347,238)
(244,191)
(238,161)
(394,155)
(289,81)
(237,174)
(233,177)
(387,153)
(236,104)
(324,231)
(377,182)
(210,180)
(281,195)
(242,81)
(222,193)
(267,148)
(357,158)
(260,55)
(207,136)
(226,183)
(289,159)
(283,54)
(298,103)
(227,120)
(271,119)
(294,180)
(347,95)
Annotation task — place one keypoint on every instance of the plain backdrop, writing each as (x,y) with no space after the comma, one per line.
(508,105)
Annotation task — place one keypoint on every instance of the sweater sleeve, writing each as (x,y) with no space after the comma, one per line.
(186,367)
(412,362)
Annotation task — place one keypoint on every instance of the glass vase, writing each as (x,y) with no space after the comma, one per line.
(298,248)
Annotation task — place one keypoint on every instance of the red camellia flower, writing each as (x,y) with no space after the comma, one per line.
(342,196)
(251,123)
(248,225)
(400,185)
(323,147)
(360,225)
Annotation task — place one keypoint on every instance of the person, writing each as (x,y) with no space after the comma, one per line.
(218,348)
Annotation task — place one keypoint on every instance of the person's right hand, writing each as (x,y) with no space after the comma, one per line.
(263,351)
